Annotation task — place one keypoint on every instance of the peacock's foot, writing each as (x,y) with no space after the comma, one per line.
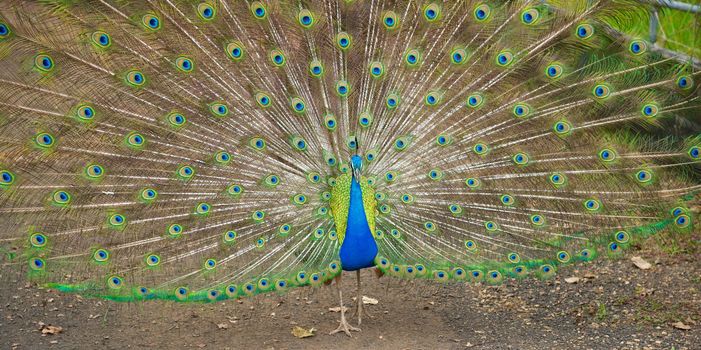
(345,327)
(360,311)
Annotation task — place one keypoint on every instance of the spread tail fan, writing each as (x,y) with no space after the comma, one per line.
(209,150)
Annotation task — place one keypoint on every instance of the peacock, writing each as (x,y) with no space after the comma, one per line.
(200,151)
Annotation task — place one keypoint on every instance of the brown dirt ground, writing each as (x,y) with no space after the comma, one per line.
(615,305)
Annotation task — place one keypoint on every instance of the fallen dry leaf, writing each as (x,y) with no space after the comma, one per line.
(571,280)
(49,329)
(338,309)
(681,325)
(368,300)
(300,332)
(640,263)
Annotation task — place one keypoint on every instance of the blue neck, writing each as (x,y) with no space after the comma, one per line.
(359,248)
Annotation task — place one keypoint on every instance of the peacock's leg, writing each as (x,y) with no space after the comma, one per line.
(359,309)
(343,326)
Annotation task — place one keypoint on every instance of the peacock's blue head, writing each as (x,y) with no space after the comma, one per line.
(356,166)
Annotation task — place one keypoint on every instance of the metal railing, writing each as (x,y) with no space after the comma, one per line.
(671,4)
(655,25)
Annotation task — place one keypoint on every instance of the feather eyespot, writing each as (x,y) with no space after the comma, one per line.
(364,120)
(507,200)
(435,174)
(85,113)
(210,264)
(206,11)
(557,179)
(330,122)
(235,51)
(232,291)
(601,91)
(175,230)
(234,190)
(61,198)
(644,176)
(377,69)
(432,98)
(475,100)
(637,47)
(38,240)
(553,70)
(44,140)
(390,20)
(584,31)
(115,282)
(412,58)
(135,78)
(135,140)
(458,56)
(43,63)
(258,9)
(682,221)
(4,30)
(343,40)
(650,110)
(520,158)
(37,264)
(184,64)
(219,109)
(181,293)
(563,257)
(305,18)
(186,172)
(607,155)
(342,88)
(277,58)
(685,82)
(298,105)
(7,178)
(392,101)
(622,237)
(562,128)
(152,260)
(504,58)
(482,12)
(401,143)
(272,180)
(101,40)
(530,16)
(592,205)
(117,220)
(229,236)
(151,22)
(101,255)
(472,182)
(432,12)
(470,245)
(316,69)
(694,152)
(521,110)
(443,140)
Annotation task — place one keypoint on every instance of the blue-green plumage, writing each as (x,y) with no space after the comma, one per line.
(359,248)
